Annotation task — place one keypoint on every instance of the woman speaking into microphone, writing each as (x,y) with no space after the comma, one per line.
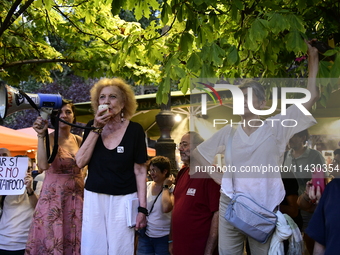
(115,153)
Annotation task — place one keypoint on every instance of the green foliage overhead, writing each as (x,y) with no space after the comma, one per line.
(37,37)
(172,41)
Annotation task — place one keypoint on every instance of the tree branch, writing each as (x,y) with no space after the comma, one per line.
(54,33)
(38,61)
(7,21)
(10,15)
(81,31)
(23,8)
(170,27)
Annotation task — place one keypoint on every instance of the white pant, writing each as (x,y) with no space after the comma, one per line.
(104,230)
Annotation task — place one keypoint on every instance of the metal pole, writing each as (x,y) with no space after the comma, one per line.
(165,145)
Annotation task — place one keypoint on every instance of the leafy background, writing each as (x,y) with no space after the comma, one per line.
(63,45)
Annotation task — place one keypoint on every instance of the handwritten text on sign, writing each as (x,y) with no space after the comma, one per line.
(12,173)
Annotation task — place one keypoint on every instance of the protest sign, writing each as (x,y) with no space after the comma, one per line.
(12,173)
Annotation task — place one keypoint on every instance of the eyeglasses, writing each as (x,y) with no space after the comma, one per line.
(153,171)
(4,154)
(184,145)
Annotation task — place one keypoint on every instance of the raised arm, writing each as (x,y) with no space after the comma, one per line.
(313,68)
(84,153)
(33,198)
(40,126)
(167,197)
(305,202)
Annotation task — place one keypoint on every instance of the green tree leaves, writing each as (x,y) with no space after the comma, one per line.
(295,42)
(258,30)
(172,41)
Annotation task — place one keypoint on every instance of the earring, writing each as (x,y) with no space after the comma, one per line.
(122,117)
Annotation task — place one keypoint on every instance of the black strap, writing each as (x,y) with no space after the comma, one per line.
(2,201)
(55,145)
(74,125)
(229,150)
(285,155)
(155,200)
(35,185)
(29,100)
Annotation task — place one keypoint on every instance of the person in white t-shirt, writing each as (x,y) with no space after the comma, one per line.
(255,148)
(17,216)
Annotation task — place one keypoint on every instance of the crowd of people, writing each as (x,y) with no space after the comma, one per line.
(80,206)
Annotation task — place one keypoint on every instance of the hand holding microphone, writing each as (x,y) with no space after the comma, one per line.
(102,116)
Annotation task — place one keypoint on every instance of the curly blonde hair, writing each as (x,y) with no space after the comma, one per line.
(128,96)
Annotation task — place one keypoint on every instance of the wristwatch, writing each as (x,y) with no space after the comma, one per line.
(165,186)
(30,194)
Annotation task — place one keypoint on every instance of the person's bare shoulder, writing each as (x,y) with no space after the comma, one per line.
(79,139)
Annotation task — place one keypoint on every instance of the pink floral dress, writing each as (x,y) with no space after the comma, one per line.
(56,226)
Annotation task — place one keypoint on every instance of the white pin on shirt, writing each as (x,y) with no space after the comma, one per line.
(120,149)
(191,192)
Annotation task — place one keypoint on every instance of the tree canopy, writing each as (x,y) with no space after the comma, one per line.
(181,40)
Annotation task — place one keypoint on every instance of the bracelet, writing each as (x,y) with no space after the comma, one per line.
(143,210)
(97,130)
(30,194)
(306,197)
(170,241)
(40,136)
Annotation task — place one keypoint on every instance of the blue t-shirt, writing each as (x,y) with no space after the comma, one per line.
(324,227)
